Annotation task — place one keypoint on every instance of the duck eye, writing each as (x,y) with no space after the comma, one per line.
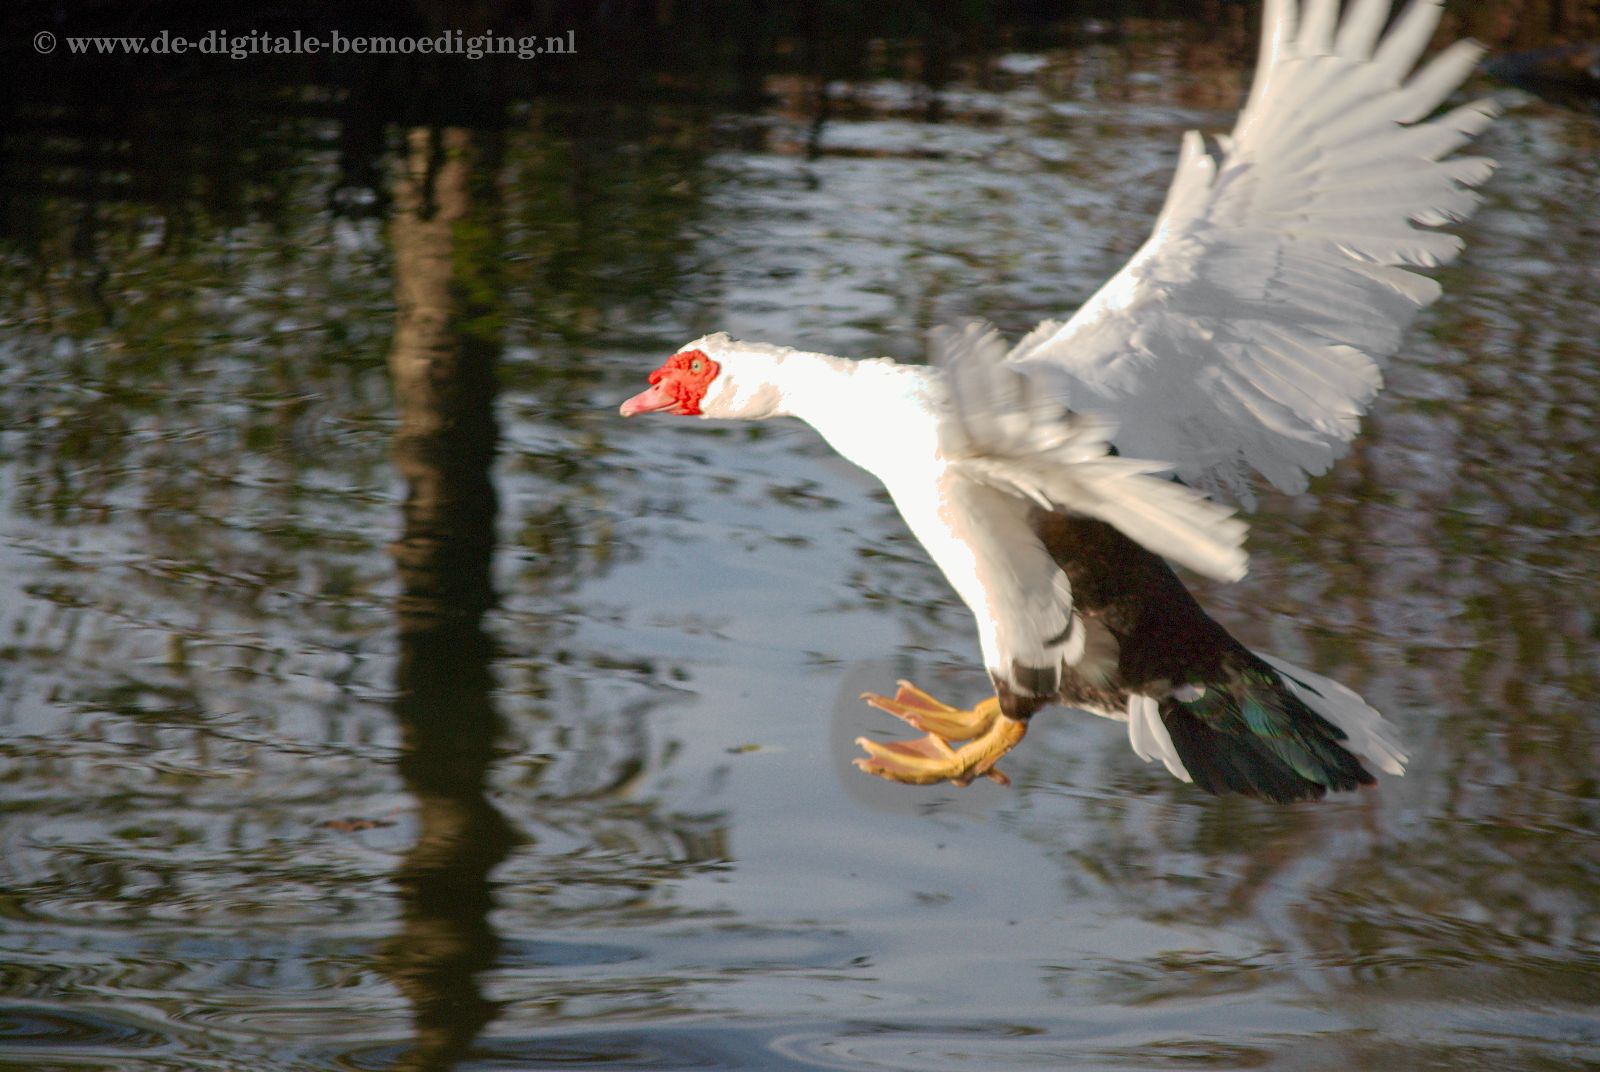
(696,365)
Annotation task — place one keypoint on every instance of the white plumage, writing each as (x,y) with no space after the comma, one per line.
(1251,329)
(1001,430)
(1248,334)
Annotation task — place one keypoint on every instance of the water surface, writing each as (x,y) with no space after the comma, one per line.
(353,719)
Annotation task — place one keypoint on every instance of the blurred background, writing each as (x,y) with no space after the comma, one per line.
(372,696)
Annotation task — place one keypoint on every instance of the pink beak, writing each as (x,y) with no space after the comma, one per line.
(654,400)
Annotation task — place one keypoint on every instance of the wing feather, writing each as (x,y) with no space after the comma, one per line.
(1363,22)
(1250,331)
(1006,431)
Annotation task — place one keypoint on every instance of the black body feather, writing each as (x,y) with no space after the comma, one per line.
(1245,732)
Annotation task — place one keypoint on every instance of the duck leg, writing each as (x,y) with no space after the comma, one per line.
(988,732)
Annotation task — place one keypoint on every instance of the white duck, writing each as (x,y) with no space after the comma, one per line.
(1248,333)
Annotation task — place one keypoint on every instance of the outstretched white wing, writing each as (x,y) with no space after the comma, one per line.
(1004,431)
(1251,328)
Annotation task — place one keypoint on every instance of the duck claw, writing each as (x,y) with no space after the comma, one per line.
(930,758)
(915,707)
(923,761)
(994,774)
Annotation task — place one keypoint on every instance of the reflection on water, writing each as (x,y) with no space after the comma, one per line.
(373,698)
(442,364)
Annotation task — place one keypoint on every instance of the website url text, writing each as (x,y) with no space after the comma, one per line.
(240,46)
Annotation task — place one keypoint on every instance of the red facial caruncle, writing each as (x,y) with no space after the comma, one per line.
(677,386)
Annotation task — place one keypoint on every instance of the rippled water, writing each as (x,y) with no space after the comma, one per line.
(324,747)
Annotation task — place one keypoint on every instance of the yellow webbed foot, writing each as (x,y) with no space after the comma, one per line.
(930,759)
(913,705)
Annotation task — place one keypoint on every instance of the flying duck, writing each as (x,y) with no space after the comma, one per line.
(1053,480)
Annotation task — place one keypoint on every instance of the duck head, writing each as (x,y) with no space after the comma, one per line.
(715,377)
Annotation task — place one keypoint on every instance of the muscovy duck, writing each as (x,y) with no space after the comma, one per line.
(1248,333)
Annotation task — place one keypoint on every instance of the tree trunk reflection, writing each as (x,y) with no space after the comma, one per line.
(442,363)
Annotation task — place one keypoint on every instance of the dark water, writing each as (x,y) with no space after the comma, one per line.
(373,697)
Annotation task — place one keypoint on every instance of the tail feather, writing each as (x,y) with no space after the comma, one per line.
(1234,763)
(1264,733)
(1367,733)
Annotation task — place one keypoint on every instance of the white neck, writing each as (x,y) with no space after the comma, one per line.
(803,383)
(853,404)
